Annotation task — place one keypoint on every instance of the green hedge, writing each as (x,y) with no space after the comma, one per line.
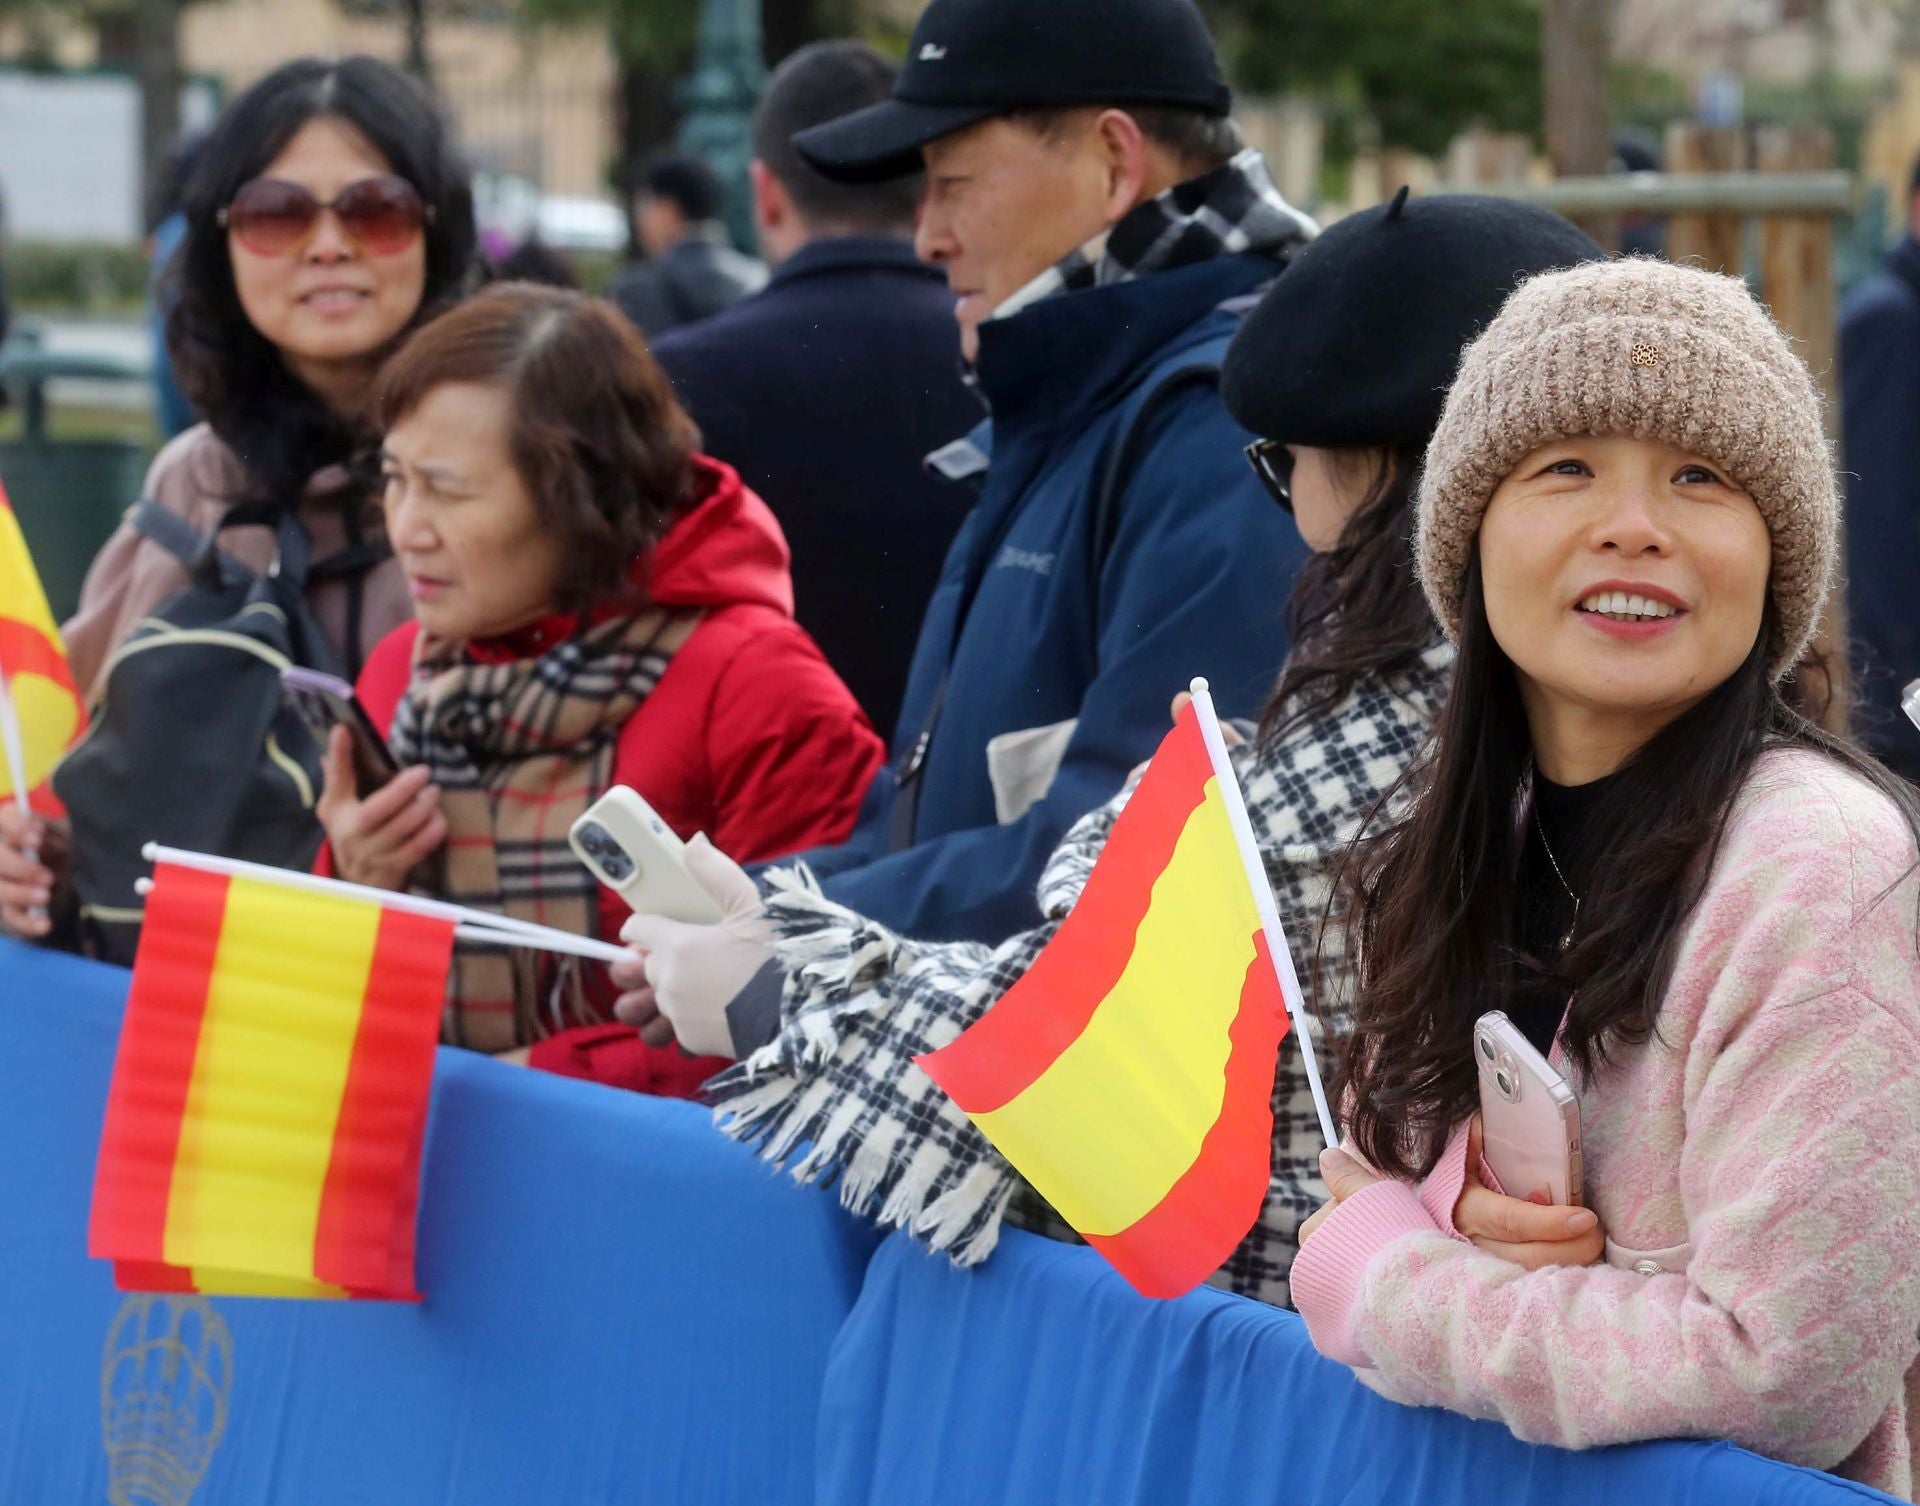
(59,276)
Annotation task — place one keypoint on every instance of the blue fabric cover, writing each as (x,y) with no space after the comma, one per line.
(1043,1378)
(621,1304)
(623,1307)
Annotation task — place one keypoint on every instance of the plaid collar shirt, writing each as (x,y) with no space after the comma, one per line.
(1235,208)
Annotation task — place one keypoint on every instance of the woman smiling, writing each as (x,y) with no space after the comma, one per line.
(328,215)
(1700,904)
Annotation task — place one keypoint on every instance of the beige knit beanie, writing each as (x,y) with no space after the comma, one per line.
(1641,349)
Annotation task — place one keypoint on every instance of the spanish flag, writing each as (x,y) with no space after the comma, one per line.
(43,714)
(264,1124)
(1129,1075)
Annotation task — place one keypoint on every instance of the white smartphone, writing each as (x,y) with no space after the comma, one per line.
(1529,1116)
(638,856)
(1910,702)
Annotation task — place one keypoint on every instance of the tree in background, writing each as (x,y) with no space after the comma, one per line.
(1421,71)
(654,43)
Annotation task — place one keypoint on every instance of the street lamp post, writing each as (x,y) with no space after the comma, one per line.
(717,102)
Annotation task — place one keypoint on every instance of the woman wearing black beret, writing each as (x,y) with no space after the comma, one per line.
(1342,368)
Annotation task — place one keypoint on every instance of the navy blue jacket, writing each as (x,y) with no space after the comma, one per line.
(1036,621)
(1880,412)
(825,392)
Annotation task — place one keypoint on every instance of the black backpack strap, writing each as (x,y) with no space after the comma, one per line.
(198,551)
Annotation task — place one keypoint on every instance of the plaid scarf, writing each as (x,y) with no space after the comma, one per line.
(1232,209)
(838,1085)
(519,751)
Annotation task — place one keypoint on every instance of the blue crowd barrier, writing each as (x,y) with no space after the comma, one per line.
(624,1307)
(1043,1377)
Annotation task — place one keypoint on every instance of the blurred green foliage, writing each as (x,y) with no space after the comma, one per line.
(1416,71)
(76,277)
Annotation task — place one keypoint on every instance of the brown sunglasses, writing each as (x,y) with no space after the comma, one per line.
(381,215)
(1272,462)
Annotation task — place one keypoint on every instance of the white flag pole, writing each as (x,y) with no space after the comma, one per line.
(475,925)
(16,748)
(16,753)
(1262,898)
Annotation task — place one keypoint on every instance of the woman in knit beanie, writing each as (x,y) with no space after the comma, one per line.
(1700,905)
(1342,367)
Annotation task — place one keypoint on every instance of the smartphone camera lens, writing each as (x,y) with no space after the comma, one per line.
(607,855)
(1504,1080)
(1486,1047)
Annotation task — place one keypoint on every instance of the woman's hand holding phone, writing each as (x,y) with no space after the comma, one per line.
(1528,1234)
(32,855)
(378,840)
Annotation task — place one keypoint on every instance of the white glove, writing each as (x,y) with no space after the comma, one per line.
(687,975)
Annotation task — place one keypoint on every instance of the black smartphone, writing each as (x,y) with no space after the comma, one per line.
(326,701)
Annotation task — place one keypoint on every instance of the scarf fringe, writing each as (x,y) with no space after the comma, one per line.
(809,1126)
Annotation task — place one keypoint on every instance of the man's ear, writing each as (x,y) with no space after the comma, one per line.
(1124,148)
(772,208)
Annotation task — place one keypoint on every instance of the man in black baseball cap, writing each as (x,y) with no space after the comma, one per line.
(1092,206)
(971,60)
(1100,226)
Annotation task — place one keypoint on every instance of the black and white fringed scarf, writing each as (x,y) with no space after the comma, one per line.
(1235,208)
(838,1084)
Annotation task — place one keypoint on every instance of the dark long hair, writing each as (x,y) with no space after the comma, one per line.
(1436,904)
(279,428)
(1356,609)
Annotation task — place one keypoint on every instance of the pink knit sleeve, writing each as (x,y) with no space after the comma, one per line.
(1794,1323)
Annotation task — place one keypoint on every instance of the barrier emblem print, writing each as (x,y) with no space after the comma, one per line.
(165,1383)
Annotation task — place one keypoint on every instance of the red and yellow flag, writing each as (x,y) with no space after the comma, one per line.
(33,672)
(1129,1075)
(264,1125)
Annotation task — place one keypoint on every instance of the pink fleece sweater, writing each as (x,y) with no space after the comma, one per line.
(1756,1168)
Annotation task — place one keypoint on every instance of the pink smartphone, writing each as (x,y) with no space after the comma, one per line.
(1529,1116)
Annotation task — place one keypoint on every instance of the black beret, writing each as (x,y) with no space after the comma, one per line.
(1357,341)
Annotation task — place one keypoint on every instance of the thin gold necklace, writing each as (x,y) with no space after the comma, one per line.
(1547,847)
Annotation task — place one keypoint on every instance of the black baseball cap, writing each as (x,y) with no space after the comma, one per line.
(971,60)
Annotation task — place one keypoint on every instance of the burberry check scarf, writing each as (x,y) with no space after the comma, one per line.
(1234,208)
(519,751)
(836,1097)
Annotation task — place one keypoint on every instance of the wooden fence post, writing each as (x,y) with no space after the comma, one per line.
(1796,282)
(1796,256)
(1714,239)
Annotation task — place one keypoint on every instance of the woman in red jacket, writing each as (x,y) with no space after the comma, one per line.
(596,604)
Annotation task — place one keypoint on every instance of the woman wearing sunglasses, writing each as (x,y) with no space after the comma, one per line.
(1342,367)
(328,215)
(1700,904)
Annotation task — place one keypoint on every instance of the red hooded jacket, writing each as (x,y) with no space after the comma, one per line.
(749,736)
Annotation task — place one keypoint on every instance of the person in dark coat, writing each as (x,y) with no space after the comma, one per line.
(1880,410)
(827,390)
(690,272)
